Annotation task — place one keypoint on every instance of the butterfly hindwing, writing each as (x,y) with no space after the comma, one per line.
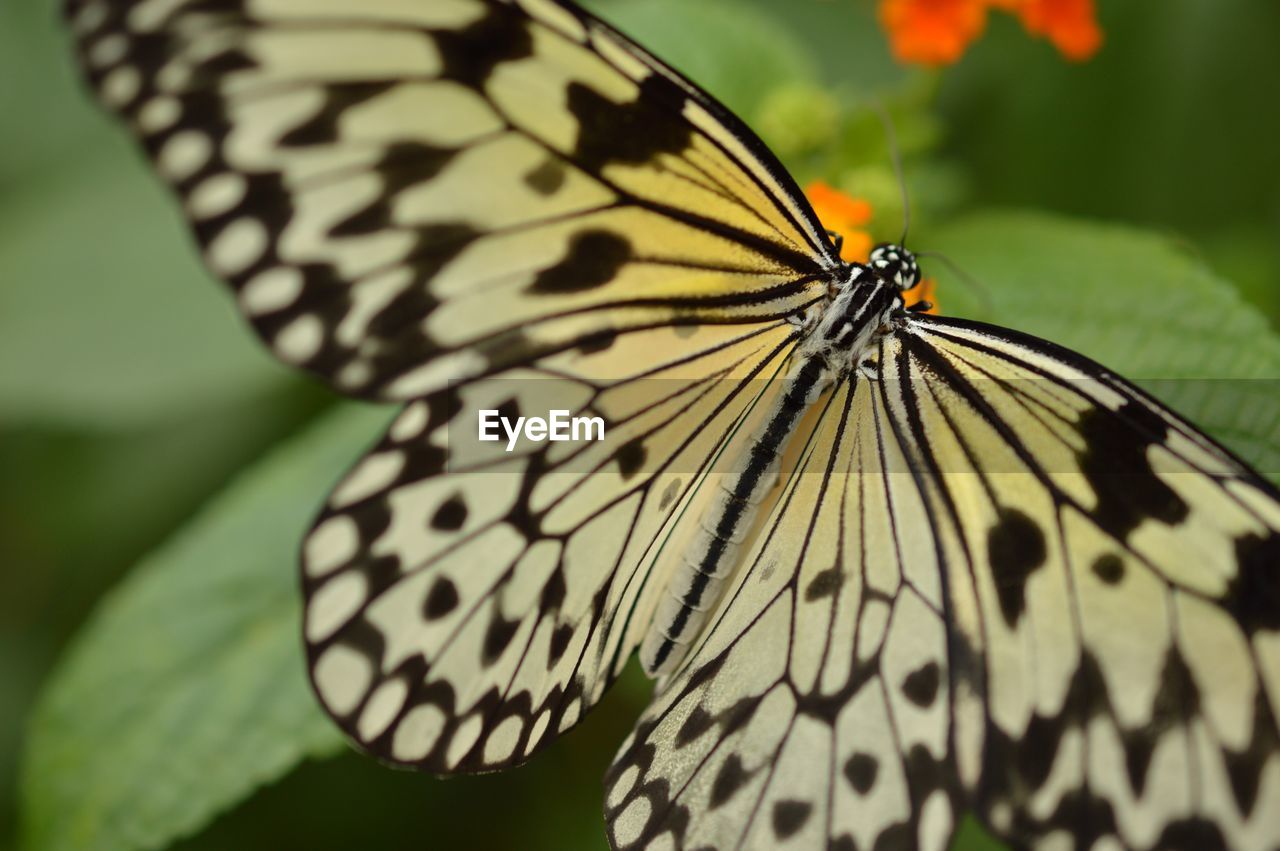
(466,603)
(815,711)
(1008,606)
(1116,596)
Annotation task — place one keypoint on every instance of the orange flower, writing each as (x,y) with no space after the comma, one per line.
(847,216)
(932,32)
(936,32)
(1070,25)
(844,215)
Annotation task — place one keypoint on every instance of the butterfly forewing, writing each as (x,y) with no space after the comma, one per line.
(405,194)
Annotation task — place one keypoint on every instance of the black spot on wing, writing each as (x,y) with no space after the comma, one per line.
(1254,595)
(546,178)
(553,593)
(825,584)
(1115,463)
(1109,568)
(1038,749)
(698,722)
(736,716)
(729,779)
(451,515)
(597,341)
(627,133)
(631,457)
(509,409)
(497,637)
(1016,549)
(860,770)
(925,773)
(595,257)
(560,638)
(469,55)
(921,685)
(789,817)
(1138,748)
(1079,814)
(441,599)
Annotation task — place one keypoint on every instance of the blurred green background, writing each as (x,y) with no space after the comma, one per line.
(157,468)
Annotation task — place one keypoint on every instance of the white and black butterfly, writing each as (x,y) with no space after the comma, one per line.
(992,575)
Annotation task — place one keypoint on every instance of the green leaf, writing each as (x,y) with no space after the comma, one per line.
(106,318)
(1132,300)
(186,691)
(47,112)
(970,835)
(753,53)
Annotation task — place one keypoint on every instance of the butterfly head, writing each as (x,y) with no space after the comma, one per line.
(895,265)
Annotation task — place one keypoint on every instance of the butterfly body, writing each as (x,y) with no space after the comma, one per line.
(834,338)
(993,575)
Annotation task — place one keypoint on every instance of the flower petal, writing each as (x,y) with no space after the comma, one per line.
(932,32)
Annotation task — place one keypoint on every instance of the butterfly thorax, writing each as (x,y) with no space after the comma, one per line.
(863,299)
(847,324)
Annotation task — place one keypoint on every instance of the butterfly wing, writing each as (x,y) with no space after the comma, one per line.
(407,194)
(409,197)
(815,710)
(465,603)
(1025,585)
(1117,605)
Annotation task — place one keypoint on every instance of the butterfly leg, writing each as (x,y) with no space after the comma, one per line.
(837,240)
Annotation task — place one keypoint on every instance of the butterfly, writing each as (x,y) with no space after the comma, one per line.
(885,567)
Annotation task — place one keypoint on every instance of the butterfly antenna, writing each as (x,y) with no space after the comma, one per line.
(895,156)
(984,294)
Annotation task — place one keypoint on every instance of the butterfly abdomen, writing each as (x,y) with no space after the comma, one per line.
(832,345)
(714,552)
